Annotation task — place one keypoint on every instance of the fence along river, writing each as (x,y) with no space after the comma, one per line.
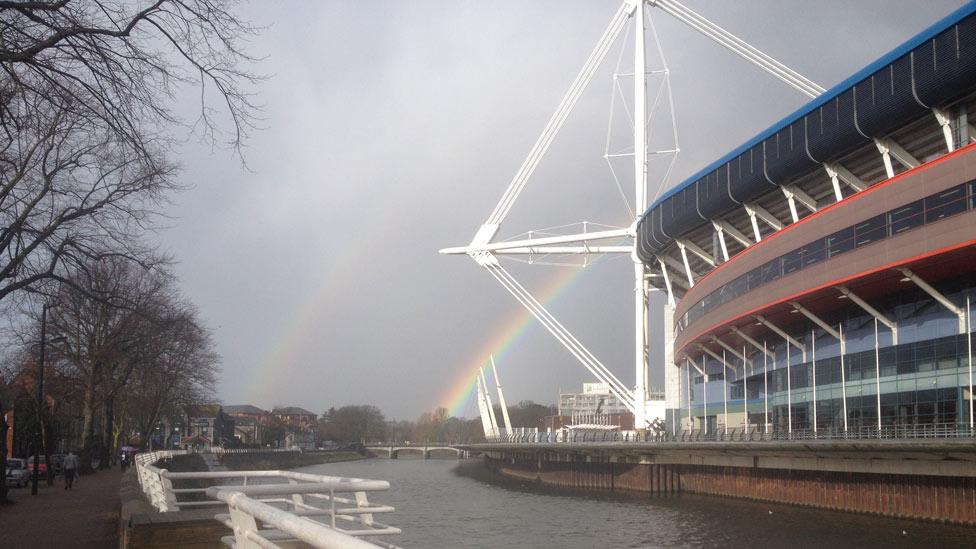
(438,507)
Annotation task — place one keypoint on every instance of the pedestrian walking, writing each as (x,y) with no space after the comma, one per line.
(70,468)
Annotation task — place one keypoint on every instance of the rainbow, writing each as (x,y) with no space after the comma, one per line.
(459,397)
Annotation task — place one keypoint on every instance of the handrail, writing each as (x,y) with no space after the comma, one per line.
(284,502)
(747,434)
(248,511)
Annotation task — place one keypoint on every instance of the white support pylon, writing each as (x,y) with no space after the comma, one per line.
(501,396)
(640,203)
(483,409)
(488,403)
(482,248)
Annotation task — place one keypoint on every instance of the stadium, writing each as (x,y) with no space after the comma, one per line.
(821,275)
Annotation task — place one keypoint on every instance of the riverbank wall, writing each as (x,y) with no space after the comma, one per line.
(931,481)
(257,461)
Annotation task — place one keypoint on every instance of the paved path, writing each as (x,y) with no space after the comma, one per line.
(85,517)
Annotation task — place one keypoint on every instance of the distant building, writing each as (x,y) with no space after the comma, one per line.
(303,440)
(248,430)
(208,424)
(624,421)
(245,411)
(295,418)
(595,396)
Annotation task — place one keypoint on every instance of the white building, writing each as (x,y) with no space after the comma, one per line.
(594,396)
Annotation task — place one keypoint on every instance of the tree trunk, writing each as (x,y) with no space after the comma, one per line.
(87,431)
(105,460)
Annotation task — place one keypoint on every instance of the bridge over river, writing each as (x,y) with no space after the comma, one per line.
(428,450)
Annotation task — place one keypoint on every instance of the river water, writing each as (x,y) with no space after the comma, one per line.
(439,506)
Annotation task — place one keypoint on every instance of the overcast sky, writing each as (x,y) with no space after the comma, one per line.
(392,128)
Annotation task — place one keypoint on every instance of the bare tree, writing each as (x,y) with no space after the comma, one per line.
(105,323)
(181,369)
(120,62)
(86,104)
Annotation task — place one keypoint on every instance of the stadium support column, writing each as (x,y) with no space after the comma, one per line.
(672,380)
(789,392)
(640,203)
(691,423)
(891,324)
(936,295)
(704,389)
(945,121)
(813,346)
(969,353)
(765,390)
(877,374)
(745,386)
(843,374)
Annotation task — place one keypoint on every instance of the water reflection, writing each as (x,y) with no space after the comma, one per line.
(440,503)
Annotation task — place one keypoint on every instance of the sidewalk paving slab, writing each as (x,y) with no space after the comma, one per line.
(85,517)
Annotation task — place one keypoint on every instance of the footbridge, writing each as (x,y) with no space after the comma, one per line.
(433,449)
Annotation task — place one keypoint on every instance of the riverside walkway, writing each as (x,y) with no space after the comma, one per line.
(85,517)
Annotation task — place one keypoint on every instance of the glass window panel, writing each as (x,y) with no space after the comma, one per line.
(871,230)
(948,202)
(791,262)
(925,356)
(840,242)
(739,287)
(754,278)
(907,217)
(770,271)
(813,252)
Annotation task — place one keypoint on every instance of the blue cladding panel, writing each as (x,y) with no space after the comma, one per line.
(713,193)
(948,60)
(681,212)
(786,153)
(750,179)
(885,100)
(831,127)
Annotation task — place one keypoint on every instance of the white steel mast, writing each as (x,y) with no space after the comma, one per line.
(491,408)
(501,397)
(484,250)
(640,202)
(483,409)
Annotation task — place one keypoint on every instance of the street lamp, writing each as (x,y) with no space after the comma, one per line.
(38,427)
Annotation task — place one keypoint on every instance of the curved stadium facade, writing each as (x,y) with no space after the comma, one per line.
(822,274)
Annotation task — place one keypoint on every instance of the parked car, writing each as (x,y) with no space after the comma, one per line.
(17,474)
(41,466)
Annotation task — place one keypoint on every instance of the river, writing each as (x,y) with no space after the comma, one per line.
(438,507)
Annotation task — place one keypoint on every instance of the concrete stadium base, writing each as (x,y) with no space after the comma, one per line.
(836,485)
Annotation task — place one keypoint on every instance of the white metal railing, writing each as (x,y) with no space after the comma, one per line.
(271,507)
(750,434)
(287,510)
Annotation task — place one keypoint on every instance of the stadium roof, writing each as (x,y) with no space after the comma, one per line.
(827,96)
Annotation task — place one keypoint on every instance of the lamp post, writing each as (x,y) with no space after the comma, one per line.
(38,427)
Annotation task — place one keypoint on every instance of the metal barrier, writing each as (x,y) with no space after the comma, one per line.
(285,503)
(750,434)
